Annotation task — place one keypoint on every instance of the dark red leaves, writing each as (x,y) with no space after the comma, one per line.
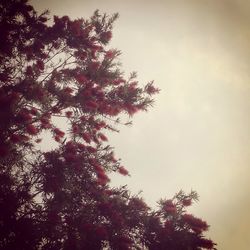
(101,232)
(93,66)
(70,157)
(37,93)
(196,224)
(76,27)
(102,137)
(68,114)
(45,122)
(32,130)
(68,90)
(81,78)
(75,129)
(55,110)
(40,65)
(205,243)
(106,36)
(58,134)
(110,54)
(15,138)
(131,109)
(169,207)
(169,227)
(123,171)
(34,111)
(86,137)
(29,71)
(59,74)
(4,150)
(150,89)
(80,54)
(91,149)
(100,125)
(24,116)
(102,178)
(138,204)
(187,202)
(92,105)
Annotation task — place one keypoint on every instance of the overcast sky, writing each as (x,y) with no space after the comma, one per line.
(197,135)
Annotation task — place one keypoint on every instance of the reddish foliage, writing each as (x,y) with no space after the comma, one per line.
(86,137)
(102,137)
(59,132)
(61,199)
(106,36)
(15,138)
(69,114)
(123,170)
(81,78)
(170,207)
(32,130)
(195,224)
(187,202)
(4,150)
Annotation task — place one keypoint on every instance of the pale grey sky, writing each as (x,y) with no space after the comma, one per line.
(197,135)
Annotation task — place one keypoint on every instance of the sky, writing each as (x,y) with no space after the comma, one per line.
(197,134)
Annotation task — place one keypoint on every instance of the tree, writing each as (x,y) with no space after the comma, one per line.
(61,199)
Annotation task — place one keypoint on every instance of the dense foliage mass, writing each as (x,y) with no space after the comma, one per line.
(61,199)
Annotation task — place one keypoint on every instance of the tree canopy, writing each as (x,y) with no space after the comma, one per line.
(61,199)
